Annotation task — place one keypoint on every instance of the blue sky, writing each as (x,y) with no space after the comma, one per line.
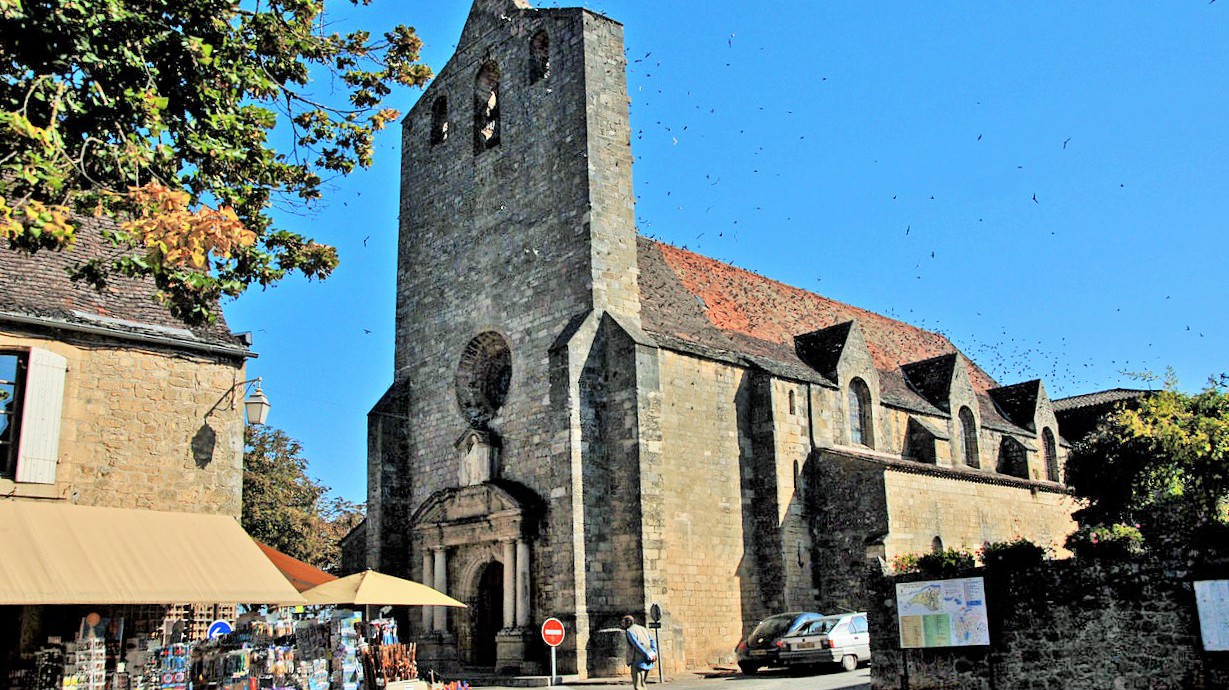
(1047,184)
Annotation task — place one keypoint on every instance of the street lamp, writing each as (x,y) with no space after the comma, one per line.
(257,405)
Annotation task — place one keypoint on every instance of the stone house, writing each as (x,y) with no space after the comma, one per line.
(110,401)
(584,422)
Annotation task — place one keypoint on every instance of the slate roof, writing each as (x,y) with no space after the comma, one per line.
(1099,398)
(1019,402)
(700,305)
(38,287)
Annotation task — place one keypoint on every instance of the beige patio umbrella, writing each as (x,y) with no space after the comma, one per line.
(376,589)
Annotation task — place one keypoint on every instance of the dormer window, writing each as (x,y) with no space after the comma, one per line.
(439,121)
(968,438)
(539,57)
(861,431)
(1013,458)
(486,108)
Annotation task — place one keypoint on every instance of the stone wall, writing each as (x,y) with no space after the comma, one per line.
(715,586)
(871,505)
(966,513)
(143,428)
(1064,624)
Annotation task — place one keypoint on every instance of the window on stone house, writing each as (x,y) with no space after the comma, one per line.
(861,431)
(539,56)
(936,544)
(968,438)
(439,121)
(31,400)
(12,384)
(1050,448)
(486,108)
(793,409)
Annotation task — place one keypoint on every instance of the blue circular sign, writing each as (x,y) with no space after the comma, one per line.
(218,629)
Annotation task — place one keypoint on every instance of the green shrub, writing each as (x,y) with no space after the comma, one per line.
(945,563)
(1017,554)
(1107,542)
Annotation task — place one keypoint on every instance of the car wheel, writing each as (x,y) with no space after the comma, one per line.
(748,669)
(849,662)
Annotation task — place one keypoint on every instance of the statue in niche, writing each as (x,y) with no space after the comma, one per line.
(479,458)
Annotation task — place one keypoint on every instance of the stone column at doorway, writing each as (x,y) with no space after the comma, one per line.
(509,584)
(441,585)
(428,576)
(522,583)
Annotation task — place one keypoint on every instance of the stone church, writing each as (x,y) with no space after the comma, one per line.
(584,422)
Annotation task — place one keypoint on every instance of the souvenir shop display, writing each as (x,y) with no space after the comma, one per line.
(386,661)
(327,649)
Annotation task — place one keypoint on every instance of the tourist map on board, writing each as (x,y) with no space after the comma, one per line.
(942,613)
(1212,600)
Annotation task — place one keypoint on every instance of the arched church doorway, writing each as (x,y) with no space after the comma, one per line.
(488,614)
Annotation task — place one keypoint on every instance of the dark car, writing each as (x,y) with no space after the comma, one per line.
(763,646)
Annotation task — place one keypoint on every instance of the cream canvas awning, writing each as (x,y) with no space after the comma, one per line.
(377,589)
(57,553)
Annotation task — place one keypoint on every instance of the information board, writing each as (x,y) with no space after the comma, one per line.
(1212,600)
(942,613)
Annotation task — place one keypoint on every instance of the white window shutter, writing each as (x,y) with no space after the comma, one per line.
(40,417)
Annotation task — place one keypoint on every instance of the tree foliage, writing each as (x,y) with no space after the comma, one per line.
(285,508)
(1163,465)
(158,114)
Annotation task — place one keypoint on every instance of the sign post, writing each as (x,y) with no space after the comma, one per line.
(552,635)
(219,628)
(655,625)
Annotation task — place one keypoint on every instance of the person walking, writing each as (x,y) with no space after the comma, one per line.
(641,652)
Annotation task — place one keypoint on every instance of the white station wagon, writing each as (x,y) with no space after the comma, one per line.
(840,639)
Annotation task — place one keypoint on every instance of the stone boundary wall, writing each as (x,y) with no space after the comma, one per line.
(1064,624)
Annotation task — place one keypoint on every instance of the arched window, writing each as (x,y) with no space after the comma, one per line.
(439,121)
(968,438)
(936,545)
(861,430)
(793,408)
(486,108)
(539,56)
(1050,448)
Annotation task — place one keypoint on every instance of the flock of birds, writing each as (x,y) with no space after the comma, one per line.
(1004,352)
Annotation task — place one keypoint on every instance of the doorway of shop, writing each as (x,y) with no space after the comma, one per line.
(488,614)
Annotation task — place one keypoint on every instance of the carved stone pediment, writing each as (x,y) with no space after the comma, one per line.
(480,513)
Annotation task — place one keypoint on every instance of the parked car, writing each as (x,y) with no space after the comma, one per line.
(763,646)
(841,639)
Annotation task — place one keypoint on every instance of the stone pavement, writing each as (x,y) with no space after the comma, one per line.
(712,679)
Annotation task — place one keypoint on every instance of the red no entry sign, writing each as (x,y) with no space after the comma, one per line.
(552,632)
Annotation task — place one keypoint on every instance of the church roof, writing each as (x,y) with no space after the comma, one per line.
(1100,398)
(37,289)
(697,304)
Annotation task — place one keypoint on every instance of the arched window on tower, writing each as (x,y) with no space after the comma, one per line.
(968,438)
(539,56)
(1050,448)
(861,428)
(486,108)
(439,121)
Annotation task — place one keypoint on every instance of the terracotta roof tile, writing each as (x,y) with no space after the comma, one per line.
(695,303)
